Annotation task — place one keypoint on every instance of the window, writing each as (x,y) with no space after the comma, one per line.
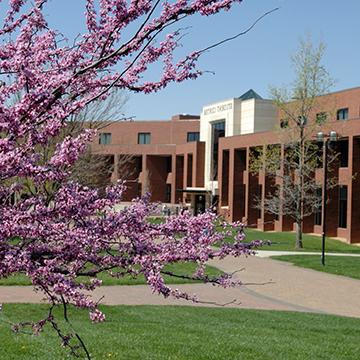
(342,206)
(342,114)
(193,136)
(217,132)
(189,170)
(318,206)
(105,138)
(343,149)
(321,118)
(144,138)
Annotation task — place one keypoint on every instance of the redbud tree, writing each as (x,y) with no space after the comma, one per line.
(56,234)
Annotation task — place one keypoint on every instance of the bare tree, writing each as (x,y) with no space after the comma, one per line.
(293,169)
(92,169)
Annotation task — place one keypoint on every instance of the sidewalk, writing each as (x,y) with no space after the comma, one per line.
(269,253)
(268,284)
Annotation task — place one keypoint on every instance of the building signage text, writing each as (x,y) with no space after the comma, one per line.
(218,108)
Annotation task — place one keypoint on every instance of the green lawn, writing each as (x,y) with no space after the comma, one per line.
(156,220)
(339,265)
(180,269)
(286,241)
(169,332)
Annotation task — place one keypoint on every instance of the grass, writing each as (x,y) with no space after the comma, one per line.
(338,265)
(174,333)
(187,269)
(156,220)
(285,241)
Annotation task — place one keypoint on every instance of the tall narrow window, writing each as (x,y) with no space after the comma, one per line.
(193,136)
(342,114)
(189,170)
(343,206)
(343,149)
(217,132)
(105,138)
(144,138)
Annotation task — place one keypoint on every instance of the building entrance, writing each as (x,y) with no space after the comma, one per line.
(199,204)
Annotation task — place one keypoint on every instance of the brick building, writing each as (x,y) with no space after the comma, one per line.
(157,155)
(204,160)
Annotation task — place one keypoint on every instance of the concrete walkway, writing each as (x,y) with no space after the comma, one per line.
(269,253)
(268,284)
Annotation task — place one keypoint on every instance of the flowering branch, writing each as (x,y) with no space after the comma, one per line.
(52,229)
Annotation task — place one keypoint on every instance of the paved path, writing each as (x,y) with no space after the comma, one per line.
(269,284)
(269,253)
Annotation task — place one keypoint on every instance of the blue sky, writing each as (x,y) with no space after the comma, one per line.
(257,60)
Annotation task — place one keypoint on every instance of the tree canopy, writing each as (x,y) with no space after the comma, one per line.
(56,234)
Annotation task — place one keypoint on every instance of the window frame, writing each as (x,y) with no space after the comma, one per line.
(218,130)
(105,138)
(146,136)
(342,114)
(342,220)
(343,150)
(196,135)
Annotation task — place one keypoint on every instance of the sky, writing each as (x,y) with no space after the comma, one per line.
(257,60)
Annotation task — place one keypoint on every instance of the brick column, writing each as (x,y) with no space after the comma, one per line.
(200,164)
(354,190)
(224,177)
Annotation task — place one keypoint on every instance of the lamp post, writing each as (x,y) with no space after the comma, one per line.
(325,139)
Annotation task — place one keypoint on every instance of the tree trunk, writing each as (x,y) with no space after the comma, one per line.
(299,242)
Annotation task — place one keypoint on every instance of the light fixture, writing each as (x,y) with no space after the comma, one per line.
(320,136)
(333,136)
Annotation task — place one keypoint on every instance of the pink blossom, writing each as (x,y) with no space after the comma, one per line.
(57,230)
(97,316)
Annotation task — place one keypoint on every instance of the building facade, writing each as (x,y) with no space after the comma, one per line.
(204,160)
(154,156)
